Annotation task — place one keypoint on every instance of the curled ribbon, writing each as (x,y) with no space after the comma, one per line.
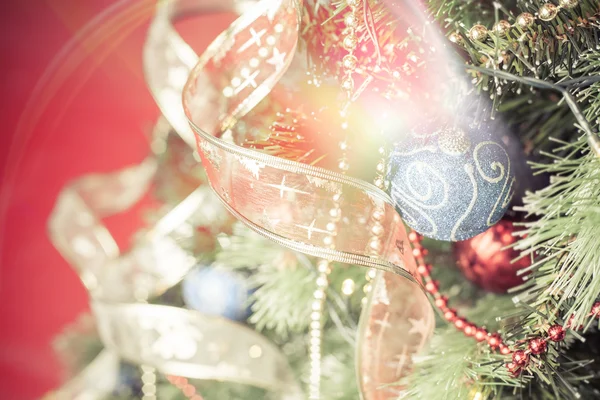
(176,341)
(168,59)
(286,201)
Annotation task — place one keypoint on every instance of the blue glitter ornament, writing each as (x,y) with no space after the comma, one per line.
(449,183)
(215,291)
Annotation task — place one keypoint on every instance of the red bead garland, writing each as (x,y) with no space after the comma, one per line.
(556,333)
(183,384)
(513,368)
(480,334)
(504,349)
(460,323)
(520,358)
(537,346)
(570,324)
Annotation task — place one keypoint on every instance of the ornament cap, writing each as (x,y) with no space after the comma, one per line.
(453,141)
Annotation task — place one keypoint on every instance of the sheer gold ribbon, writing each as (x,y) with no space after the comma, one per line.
(285,201)
(174,340)
(289,202)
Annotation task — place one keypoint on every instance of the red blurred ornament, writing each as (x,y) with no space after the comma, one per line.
(482,260)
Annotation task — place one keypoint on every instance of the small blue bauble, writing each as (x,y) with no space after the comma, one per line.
(129,383)
(449,183)
(215,291)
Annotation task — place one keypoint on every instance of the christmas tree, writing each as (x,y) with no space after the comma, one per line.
(352,199)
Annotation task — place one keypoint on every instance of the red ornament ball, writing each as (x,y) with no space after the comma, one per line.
(537,346)
(484,262)
(556,333)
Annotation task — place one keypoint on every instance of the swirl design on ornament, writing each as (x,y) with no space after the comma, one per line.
(416,197)
(412,220)
(506,193)
(494,165)
(469,170)
(503,176)
(423,170)
(510,192)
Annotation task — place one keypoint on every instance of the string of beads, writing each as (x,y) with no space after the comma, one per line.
(186,388)
(349,43)
(480,334)
(538,345)
(521,357)
(547,12)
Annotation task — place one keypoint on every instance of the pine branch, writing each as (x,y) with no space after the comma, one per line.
(540,50)
(562,49)
(565,231)
(457,368)
(287,279)
(275,277)
(565,235)
(453,14)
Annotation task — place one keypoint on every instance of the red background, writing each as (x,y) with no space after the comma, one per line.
(92,115)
